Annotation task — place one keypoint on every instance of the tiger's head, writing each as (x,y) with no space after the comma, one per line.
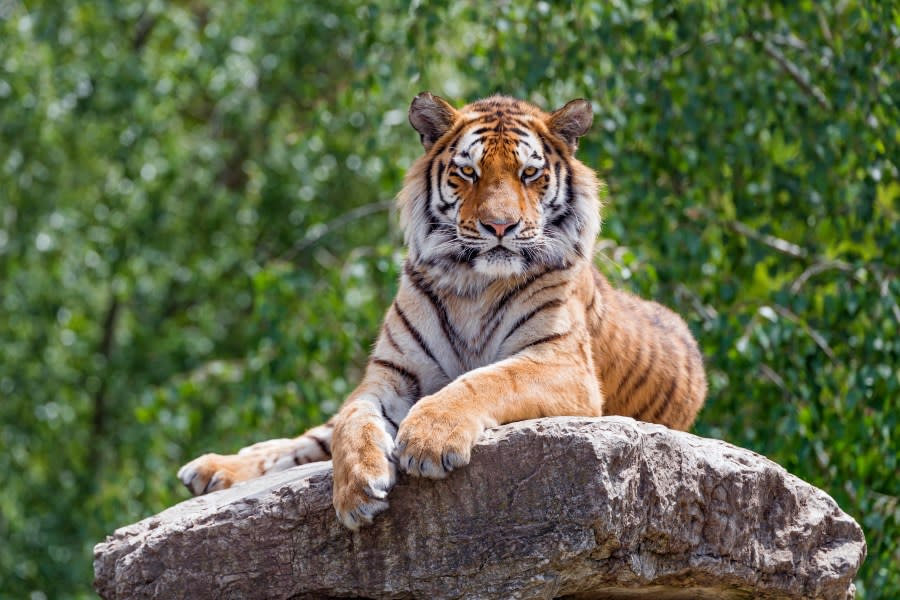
(498,192)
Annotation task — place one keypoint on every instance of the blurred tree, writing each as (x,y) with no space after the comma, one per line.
(196,248)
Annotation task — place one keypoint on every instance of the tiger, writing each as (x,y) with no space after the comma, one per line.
(500,315)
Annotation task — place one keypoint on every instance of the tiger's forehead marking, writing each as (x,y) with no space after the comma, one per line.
(509,139)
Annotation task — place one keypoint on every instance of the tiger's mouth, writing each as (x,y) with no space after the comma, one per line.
(499,252)
(499,261)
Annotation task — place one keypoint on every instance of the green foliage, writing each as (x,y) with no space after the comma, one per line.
(196,251)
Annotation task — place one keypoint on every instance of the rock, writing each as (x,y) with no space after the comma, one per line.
(573,507)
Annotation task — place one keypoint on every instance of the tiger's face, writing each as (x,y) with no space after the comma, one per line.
(499,191)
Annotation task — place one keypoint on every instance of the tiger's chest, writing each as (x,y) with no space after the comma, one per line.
(460,333)
(470,334)
(467,334)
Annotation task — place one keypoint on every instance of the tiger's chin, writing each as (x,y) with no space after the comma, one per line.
(499,263)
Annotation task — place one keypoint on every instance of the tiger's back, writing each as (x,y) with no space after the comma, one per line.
(647,361)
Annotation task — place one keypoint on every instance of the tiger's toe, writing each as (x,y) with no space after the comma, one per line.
(363,476)
(432,461)
(206,474)
(432,444)
(363,495)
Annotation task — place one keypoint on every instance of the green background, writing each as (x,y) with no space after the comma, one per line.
(197,242)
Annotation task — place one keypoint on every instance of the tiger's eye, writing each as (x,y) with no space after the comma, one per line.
(468,171)
(529,172)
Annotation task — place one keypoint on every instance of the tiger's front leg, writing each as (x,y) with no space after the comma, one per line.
(438,433)
(364,465)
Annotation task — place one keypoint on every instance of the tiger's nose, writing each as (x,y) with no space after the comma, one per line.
(500,227)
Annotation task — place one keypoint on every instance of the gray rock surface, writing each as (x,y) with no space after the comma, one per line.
(564,507)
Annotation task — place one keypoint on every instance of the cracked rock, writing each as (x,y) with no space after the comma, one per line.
(563,507)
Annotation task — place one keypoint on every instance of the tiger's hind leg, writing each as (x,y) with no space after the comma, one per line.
(212,472)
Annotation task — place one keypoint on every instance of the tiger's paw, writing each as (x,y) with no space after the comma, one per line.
(364,473)
(434,439)
(211,472)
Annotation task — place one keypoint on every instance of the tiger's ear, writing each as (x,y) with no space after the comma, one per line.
(572,121)
(431,116)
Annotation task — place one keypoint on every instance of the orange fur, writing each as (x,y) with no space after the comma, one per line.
(500,315)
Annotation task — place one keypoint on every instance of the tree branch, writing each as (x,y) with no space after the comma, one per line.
(146,23)
(792,70)
(776,243)
(317,232)
(98,421)
(815,335)
(772,375)
(815,269)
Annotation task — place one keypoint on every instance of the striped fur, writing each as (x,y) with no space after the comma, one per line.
(500,315)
